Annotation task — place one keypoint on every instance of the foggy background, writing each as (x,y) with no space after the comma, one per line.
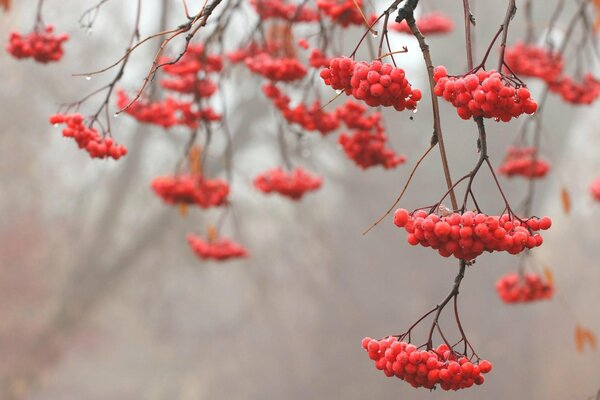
(101,297)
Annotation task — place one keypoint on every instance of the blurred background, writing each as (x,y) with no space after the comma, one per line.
(101,297)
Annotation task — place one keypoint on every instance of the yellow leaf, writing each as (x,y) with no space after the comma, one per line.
(195,160)
(584,336)
(565,198)
(549,276)
(183,208)
(212,233)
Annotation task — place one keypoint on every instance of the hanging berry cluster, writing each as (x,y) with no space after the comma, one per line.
(523,161)
(284,69)
(368,149)
(278,9)
(537,62)
(466,236)
(219,249)
(515,288)
(88,138)
(487,94)
(191,189)
(293,184)
(375,83)
(577,93)
(429,24)
(166,113)
(342,12)
(312,118)
(425,368)
(42,45)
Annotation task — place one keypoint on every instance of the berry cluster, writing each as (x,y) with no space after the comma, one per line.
(425,368)
(88,138)
(429,24)
(487,94)
(318,60)
(43,46)
(193,61)
(354,117)
(595,189)
(189,75)
(166,113)
(191,189)
(220,249)
(376,83)
(285,69)
(190,84)
(339,73)
(513,288)
(311,118)
(466,236)
(293,184)
(584,92)
(268,9)
(537,62)
(368,149)
(342,12)
(523,161)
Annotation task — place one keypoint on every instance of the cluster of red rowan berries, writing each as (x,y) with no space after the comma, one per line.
(432,23)
(524,162)
(268,9)
(355,116)
(466,236)
(487,94)
(318,60)
(284,69)
(425,368)
(41,45)
(220,249)
(367,145)
(88,138)
(529,60)
(293,184)
(190,84)
(584,92)
(514,288)
(342,12)
(311,118)
(191,189)
(375,83)
(193,61)
(189,75)
(368,149)
(166,113)
(595,189)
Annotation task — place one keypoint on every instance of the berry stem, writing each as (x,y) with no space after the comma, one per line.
(437,126)
(412,173)
(510,13)
(469,20)
(440,307)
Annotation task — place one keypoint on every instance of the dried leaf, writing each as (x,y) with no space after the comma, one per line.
(212,233)
(584,336)
(5,5)
(195,160)
(565,198)
(183,208)
(549,276)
